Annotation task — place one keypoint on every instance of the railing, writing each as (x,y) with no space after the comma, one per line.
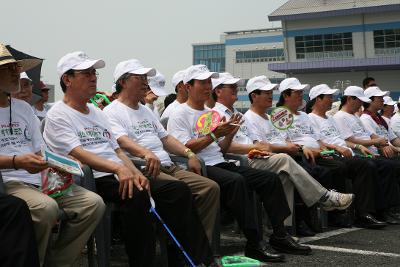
(387,51)
(327,55)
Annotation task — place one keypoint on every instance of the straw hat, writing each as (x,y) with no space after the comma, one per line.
(25,64)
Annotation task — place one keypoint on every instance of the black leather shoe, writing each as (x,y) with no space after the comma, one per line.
(302,229)
(369,221)
(288,245)
(390,218)
(259,252)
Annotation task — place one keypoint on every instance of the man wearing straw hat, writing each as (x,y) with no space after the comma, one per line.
(18,245)
(21,138)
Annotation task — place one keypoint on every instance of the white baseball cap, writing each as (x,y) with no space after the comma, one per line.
(227,78)
(375,91)
(157,84)
(133,66)
(358,92)
(198,72)
(321,89)
(23,75)
(260,83)
(178,77)
(77,61)
(292,83)
(387,100)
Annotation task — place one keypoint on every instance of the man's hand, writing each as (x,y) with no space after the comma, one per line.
(365,151)
(345,152)
(32,163)
(152,164)
(127,181)
(194,165)
(293,148)
(380,142)
(387,151)
(228,127)
(309,154)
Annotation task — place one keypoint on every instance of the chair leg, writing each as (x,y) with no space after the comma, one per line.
(216,238)
(91,252)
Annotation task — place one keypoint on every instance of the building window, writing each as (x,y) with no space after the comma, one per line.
(260,55)
(387,42)
(213,56)
(322,46)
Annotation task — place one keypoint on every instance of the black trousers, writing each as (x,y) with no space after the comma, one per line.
(388,182)
(332,173)
(17,237)
(236,183)
(174,204)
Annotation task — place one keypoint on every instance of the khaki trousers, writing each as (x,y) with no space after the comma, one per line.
(84,208)
(292,176)
(204,190)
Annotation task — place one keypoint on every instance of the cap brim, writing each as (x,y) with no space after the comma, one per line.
(268,87)
(148,71)
(158,91)
(390,103)
(96,64)
(301,87)
(364,99)
(207,75)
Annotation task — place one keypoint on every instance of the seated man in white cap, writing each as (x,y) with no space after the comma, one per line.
(156,84)
(140,134)
(375,124)
(352,129)
(81,130)
(41,107)
(25,92)
(236,182)
(181,94)
(292,175)
(395,120)
(22,142)
(389,108)
(18,246)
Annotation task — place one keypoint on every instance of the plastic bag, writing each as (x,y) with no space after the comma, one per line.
(56,183)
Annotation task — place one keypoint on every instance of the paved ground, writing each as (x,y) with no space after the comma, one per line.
(340,247)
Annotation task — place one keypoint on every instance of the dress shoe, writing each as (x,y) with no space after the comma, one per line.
(369,221)
(288,245)
(259,252)
(390,218)
(302,229)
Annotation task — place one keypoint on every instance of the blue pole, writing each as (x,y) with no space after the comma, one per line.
(173,237)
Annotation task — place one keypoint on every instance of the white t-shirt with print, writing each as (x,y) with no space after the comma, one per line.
(182,125)
(350,125)
(171,107)
(301,131)
(262,130)
(242,136)
(327,130)
(139,125)
(67,128)
(25,138)
(375,128)
(395,123)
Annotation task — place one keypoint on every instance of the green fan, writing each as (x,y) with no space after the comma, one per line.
(98,98)
(239,261)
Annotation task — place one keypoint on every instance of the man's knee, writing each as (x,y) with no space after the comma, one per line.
(45,212)
(95,203)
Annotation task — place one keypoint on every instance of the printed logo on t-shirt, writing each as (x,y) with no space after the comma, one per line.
(141,127)
(20,136)
(274,136)
(329,131)
(94,135)
(299,130)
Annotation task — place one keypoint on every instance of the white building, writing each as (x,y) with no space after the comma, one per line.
(341,42)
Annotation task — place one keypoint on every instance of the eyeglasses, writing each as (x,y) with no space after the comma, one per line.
(88,72)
